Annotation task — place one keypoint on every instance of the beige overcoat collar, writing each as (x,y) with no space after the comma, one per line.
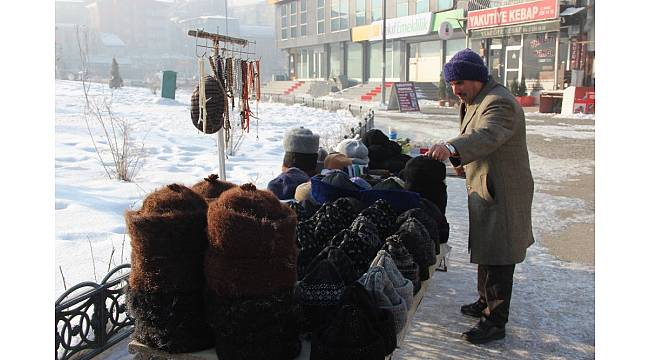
(467,110)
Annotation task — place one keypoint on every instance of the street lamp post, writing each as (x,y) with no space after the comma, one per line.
(383,55)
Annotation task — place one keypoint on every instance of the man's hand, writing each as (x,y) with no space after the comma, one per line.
(439,152)
(460,170)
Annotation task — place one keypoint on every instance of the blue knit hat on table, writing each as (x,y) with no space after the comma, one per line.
(466,65)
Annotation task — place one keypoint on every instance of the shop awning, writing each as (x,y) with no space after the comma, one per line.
(571,11)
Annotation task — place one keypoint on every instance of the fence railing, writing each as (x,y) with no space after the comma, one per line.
(91,317)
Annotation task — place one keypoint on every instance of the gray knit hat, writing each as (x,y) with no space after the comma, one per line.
(301,140)
(402,285)
(384,295)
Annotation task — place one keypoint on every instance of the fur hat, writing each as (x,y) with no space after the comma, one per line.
(466,65)
(253,247)
(174,323)
(284,185)
(183,273)
(337,161)
(211,187)
(383,294)
(355,150)
(404,261)
(171,222)
(254,327)
(418,242)
(301,140)
(426,176)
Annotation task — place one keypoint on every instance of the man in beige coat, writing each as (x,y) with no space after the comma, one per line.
(491,151)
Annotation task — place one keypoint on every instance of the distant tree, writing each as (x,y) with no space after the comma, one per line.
(116,79)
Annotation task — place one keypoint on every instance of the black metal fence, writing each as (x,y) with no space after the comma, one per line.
(90,317)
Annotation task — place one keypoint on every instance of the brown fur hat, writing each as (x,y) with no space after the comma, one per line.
(253,246)
(211,187)
(167,274)
(171,223)
(249,223)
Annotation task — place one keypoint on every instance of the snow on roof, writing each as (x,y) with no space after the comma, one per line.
(110,39)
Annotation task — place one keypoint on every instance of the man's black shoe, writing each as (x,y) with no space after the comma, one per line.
(474,309)
(484,332)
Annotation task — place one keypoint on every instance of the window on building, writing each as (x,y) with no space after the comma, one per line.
(321,17)
(453,46)
(360,12)
(376,10)
(303,17)
(424,61)
(444,5)
(402,7)
(284,21)
(421,6)
(539,60)
(294,18)
(392,60)
(339,15)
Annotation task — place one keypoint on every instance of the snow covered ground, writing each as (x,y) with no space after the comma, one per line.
(553,301)
(90,208)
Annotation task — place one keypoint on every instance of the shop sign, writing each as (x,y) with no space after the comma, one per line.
(365,32)
(404,97)
(513,14)
(405,26)
(549,26)
(451,16)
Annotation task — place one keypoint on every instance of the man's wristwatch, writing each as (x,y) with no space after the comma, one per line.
(451,149)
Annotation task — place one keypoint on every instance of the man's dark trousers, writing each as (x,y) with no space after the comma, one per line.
(495,289)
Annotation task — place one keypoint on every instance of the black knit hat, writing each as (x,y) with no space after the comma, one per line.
(404,261)
(466,65)
(174,323)
(340,260)
(443,226)
(426,176)
(416,239)
(427,220)
(318,295)
(349,336)
(254,327)
(383,216)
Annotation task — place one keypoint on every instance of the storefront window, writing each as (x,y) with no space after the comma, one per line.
(539,59)
(402,7)
(355,61)
(454,46)
(421,6)
(360,12)
(392,60)
(424,61)
(335,60)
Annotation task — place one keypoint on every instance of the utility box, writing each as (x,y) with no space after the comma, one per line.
(168,84)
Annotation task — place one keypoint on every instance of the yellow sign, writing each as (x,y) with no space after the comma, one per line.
(366,32)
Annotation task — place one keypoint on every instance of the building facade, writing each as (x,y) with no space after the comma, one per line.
(547,42)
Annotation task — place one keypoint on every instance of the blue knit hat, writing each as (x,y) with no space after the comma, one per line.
(466,65)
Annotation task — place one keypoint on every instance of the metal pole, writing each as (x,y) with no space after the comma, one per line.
(383,55)
(557,59)
(221,140)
